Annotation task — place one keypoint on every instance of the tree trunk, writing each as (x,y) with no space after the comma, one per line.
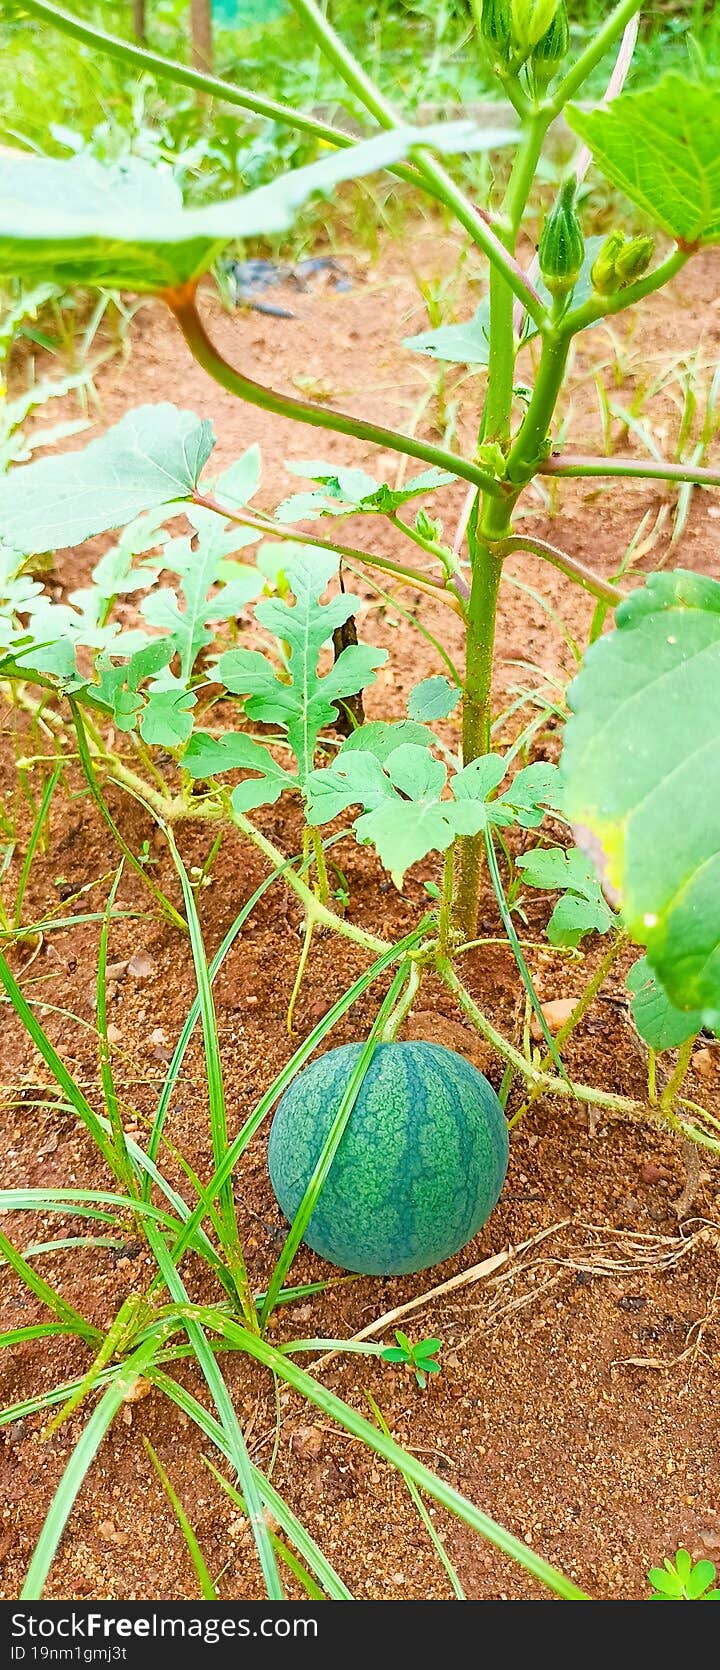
(201,33)
(139,22)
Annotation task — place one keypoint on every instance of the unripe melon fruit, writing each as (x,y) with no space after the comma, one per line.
(420,1164)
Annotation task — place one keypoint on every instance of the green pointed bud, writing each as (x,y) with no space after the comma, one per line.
(634,258)
(604,269)
(551,48)
(531,19)
(562,248)
(496,29)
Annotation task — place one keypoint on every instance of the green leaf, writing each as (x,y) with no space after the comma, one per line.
(200,566)
(124,226)
(152,457)
(661,1025)
(381,737)
(343,491)
(661,147)
(166,718)
(666,1583)
(532,791)
(303,702)
(700,1578)
(209,756)
(581,909)
(434,698)
(240,482)
(641,766)
(405,816)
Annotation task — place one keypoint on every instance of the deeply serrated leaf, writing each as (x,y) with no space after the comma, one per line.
(209,756)
(661,147)
(641,766)
(302,702)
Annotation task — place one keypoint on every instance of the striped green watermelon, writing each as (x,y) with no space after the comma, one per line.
(420,1164)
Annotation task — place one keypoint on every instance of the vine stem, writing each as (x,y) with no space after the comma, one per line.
(587,996)
(544,1084)
(181,301)
(404,1003)
(173,809)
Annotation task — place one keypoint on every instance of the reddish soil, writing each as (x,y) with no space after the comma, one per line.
(577,1400)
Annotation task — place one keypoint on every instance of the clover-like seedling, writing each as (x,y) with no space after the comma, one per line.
(420,1357)
(682,1580)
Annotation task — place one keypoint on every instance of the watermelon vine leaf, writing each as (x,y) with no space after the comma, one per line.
(345,491)
(581,908)
(433,698)
(298,698)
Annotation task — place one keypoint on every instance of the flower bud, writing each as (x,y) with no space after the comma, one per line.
(562,248)
(604,271)
(634,258)
(531,19)
(496,29)
(551,48)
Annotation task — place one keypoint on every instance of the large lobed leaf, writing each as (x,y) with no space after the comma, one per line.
(152,457)
(661,147)
(641,766)
(125,226)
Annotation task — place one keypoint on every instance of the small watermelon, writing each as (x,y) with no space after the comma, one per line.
(420,1165)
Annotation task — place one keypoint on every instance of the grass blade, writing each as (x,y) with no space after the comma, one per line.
(79,1464)
(435,1539)
(35,836)
(291,1525)
(61,1309)
(281,1549)
(167,908)
(205,1582)
(228,1418)
(216,1091)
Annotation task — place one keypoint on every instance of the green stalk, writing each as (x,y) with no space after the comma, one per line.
(527,452)
(597,308)
(640,469)
(181,303)
(477,698)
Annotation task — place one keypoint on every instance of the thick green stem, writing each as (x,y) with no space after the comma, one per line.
(527,451)
(182,305)
(477,698)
